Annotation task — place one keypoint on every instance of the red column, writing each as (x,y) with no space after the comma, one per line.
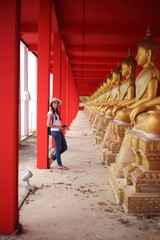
(44,30)
(72,100)
(57,66)
(70,95)
(73,110)
(9,108)
(63,86)
(67,93)
(57,69)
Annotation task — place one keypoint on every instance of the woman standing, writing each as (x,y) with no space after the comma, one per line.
(54,122)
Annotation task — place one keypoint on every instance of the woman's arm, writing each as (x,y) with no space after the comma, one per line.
(49,123)
(151,93)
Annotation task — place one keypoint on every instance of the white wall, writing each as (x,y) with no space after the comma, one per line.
(32,88)
(28,91)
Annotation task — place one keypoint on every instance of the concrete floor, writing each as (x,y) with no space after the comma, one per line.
(79,203)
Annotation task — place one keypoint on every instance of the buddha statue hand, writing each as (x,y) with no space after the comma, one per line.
(136,111)
(115,109)
(158,107)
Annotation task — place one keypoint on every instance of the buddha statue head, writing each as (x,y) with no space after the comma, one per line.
(116,74)
(128,65)
(147,50)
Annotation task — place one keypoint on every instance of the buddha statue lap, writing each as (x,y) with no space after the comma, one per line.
(150,122)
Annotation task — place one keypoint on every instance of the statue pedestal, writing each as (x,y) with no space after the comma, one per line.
(117,184)
(139,186)
(102,155)
(110,157)
(101,130)
(137,203)
(118,131)
(99,138)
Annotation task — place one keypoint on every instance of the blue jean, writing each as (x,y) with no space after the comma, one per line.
(61,145)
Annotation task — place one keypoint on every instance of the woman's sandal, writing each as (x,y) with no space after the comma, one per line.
(63,168)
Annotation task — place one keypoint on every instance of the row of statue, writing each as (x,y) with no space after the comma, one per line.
(125,120)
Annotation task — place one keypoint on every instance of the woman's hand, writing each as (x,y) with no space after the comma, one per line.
(61,128)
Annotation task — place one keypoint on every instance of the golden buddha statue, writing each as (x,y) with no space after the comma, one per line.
(150,122)
(115,86)
(102,99)
(127,88)
(108,89)
(113,98)
(99,120)
(105,86)
(147,82)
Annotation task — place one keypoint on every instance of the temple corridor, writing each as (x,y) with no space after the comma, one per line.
(79,203)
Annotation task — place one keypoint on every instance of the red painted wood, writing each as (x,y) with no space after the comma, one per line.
(63,86)
(57,69)
(92,42)
(9,107)
(67,92)
(69,95)
(57,65)
(73,98)
(43,81)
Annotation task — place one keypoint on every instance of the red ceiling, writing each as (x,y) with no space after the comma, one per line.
(96,33)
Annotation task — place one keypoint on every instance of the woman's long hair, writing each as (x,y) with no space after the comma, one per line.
(55,111)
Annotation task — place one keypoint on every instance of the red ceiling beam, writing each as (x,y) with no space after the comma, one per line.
(33,47)
(102,48)
(88,78)
(86,67)
(89,82)
(85,71)
(90,74)
(33,28)
(29,28)
(96,60)
(54,25)
(108,29)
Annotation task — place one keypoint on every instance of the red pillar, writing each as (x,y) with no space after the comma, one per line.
(44,29)
(70,95)
(9,108)
(57,66)
(63,86)
(73,99)
(67,92)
